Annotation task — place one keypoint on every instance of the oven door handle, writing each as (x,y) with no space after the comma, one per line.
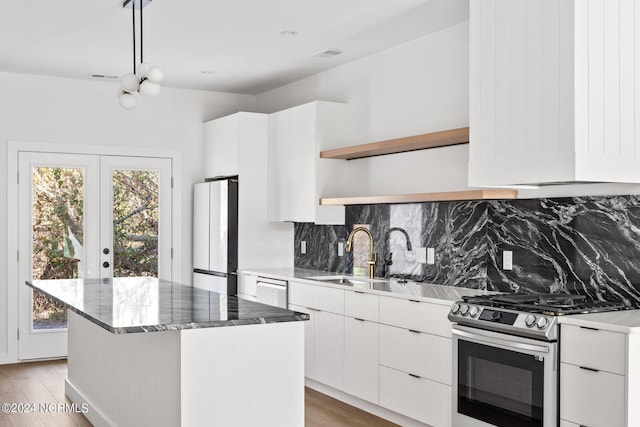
(510,344)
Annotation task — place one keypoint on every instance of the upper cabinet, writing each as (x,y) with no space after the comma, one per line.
(298,178)
(554,90)
(221,144)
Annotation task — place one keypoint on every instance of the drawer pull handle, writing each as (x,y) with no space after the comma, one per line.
(358,292)
(414,376)
(591,329)
(589,369)
(414,300)
(313,309)
(414,331)
(358,319)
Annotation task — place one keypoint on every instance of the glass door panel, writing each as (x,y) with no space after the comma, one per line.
(135,223)
(58,234)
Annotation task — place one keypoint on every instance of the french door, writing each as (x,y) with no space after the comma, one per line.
(86,216)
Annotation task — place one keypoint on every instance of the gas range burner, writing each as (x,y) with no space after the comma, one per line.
(549,304)
(527,315)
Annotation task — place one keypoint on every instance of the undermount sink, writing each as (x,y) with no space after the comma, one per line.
(358,282)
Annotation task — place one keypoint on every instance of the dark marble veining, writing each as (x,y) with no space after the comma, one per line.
(145,304)
(586,245)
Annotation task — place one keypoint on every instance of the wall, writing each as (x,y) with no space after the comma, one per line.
(583,245)
(417,87)
(48,110)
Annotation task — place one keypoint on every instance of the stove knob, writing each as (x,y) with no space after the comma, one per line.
(474,311)
(464,310)
(530,320)
(455,308)
(542,322)
(496,316)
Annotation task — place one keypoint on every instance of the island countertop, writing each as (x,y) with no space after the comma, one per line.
(146,304)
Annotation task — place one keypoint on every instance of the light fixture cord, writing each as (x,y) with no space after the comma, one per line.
(141,21)
(133,20)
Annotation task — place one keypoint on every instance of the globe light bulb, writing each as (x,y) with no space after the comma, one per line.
(143,70)
(130,82)
(155,75)
(149,88)
(128,101)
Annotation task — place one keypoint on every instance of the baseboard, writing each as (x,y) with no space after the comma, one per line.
(94,415)
(372,408)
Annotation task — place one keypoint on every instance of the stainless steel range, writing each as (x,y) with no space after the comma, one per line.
(506,357)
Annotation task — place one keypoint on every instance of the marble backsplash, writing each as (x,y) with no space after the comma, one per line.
(587,245)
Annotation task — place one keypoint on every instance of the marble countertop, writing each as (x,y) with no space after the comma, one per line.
(146,304)
(438,294)
(627,321)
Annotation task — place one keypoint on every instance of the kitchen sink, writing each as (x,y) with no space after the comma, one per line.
(357,282)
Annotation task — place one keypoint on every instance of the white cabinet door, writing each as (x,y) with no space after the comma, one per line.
(298,178)
(302,157)
(279,169)
(329,351)
(415,352)
(361,359)
(316,297)
(247,284)
(361,305)
(309,341)
(594,348)
(220,147)
(592,398)
(419,398)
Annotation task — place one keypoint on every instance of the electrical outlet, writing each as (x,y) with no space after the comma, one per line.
(431,256)
(507,260)
(303,247)
(340,248)
(421,255)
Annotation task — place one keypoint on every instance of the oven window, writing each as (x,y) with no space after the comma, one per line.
(501,387)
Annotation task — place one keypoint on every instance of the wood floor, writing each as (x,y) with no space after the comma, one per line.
(43,383)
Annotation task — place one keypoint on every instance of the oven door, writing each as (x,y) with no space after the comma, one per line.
(503,380)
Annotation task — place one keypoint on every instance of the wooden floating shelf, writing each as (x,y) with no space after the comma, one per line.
(422,197)
(400,145)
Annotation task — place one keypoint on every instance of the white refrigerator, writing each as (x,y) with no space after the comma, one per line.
(215,235)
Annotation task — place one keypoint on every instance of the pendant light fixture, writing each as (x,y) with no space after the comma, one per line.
(145,79)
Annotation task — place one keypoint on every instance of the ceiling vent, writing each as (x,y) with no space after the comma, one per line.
(327,53)
(103,76)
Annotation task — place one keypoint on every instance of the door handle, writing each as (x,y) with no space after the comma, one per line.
(105,264)
(105,251)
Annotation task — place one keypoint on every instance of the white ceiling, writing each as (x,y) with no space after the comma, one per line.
(239,39)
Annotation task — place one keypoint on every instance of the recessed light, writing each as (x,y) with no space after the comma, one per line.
(208,72)
(103,76)
(327,53)
(288,33)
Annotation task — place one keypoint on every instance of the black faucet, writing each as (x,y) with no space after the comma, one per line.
(387,258)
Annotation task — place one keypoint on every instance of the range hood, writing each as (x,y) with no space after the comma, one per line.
(553,93)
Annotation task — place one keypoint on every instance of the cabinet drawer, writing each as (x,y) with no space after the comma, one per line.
(593,348)
(594,399)
(361,305)
(317,297)
(247,284)
(421,354)
(416,315)
(418,398)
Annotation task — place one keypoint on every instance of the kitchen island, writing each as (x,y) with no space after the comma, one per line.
(144,351)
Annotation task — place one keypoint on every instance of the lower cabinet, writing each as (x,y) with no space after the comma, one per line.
(416,397)
(361,358)
(323,346)
(592,398)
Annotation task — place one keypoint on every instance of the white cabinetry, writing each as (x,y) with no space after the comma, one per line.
(298,178)
(247,286)
(238,145)
(361,345)
(415,359)
(553,91)
(324,335)
(593,378)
